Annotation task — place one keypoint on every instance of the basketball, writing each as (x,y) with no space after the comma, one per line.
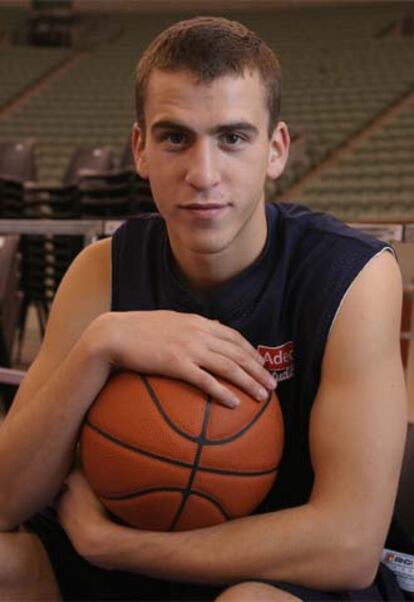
(162,455)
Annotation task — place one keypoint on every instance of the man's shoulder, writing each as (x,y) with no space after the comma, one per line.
(139,232)
(307,229)
(320,257)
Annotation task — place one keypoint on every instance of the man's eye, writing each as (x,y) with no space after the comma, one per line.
(232,139)
(175,138)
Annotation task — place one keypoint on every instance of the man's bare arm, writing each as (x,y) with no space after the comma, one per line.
(357,436)
(39,432)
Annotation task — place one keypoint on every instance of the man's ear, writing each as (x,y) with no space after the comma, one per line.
(279,150)
(138,149)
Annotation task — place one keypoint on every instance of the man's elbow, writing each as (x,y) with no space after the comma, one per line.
(9,515)
(349,570)
(357,565)
(7,523)
(362,576)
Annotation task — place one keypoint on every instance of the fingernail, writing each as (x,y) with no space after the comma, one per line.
(233,402)
(272,382)
(262,394)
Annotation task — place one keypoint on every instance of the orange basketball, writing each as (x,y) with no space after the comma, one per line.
(161,455)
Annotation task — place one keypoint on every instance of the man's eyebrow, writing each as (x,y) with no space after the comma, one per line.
(244,126)
(166,124)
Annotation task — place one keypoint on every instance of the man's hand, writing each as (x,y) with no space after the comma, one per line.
(188,347)
(84,518)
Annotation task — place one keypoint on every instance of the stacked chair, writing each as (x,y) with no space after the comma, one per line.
(10,302)
(16,165)
(11,198)
(17,160)
(47,257)
(10,295)
(93,186)
(107,195)
(115,193)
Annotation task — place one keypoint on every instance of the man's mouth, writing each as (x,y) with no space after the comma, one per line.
(204,209)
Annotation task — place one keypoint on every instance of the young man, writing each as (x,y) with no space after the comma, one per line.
(217,285)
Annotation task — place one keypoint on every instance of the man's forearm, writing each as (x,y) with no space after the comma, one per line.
(300,545)
(38,438)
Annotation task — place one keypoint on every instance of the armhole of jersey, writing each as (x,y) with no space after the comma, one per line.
(388,249)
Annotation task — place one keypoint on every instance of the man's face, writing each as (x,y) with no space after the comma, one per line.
(206,152)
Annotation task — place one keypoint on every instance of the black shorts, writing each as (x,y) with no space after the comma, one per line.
(80,580)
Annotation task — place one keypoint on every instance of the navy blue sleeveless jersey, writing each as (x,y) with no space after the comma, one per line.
(284,304)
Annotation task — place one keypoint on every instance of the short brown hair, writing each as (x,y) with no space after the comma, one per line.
(210,47)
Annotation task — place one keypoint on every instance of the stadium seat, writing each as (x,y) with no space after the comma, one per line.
(86,160)
(45,260)
(17,160)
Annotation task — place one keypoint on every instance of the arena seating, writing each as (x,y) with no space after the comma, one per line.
(11,18)
(378,176)
(343,67)
(22,67)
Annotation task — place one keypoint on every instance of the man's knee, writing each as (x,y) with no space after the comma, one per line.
(25,568)
(15,555)
(257,591)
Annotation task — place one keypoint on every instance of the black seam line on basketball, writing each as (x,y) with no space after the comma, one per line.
(155,399)
(143,452)
(120,498)
(161,410)
(201,439)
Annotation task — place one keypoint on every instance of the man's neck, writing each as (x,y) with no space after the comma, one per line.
(204,272)
(211,256)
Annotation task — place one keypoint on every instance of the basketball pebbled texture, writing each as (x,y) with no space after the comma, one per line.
(162,455)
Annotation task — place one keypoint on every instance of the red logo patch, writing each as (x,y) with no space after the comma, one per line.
(279,359)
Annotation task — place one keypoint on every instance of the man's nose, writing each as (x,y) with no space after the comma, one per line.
(203,168)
